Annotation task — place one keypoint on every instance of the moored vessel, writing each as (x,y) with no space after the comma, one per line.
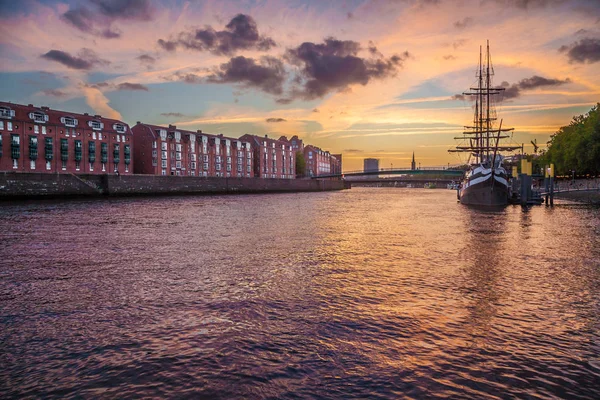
(486,182)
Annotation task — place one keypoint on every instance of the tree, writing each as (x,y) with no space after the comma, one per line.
(300,164)
(577,145)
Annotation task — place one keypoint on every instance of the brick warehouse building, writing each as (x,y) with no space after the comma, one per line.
(39,139)
(161,150)
(320,162)
(274,159)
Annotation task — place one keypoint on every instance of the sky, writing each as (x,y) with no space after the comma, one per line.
(371,78)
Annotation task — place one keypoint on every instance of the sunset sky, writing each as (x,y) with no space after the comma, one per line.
(364,78)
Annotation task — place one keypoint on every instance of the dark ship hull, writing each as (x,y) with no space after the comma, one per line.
(483,188)
(485,194)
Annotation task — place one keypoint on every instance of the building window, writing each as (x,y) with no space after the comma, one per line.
(163,146)
(33,147)
(0,145)
(104,154)
(193,157)
(63,165)
(91,167)
(38,117)
(164,172)
(64,150)
(228,167)
(154,145)
(178,164)
(15,146)
(116,154)
(205,166)
(6,112)
(77,165)
(94,135)
(96,125)
(36,129)
(120,128)
(127,154)
(239,168)
(178,156)
(205,158)
(78,150)
(15,163)
(218,159)
(9,125)
(154,162)
(126,168)
(164,155)
(218,167)
(69,121)
(99,135)
(1,125)
(92,152)
(31,164)
(48,149)
(48,165)
(193,165)
(103,167)
(43,129)
(164,164)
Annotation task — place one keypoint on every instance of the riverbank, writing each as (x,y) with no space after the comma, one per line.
(581,197)
(15,185)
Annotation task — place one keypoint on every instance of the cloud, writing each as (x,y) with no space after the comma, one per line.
(267,75)
(582,51)
(460,97)
(315,110)
(97,20)
(514,90)
(276,120)
(241,33)
(99,103)
(146,59)
(54,93)
(173,114)
(86,59)
(449,57)
(467,21)
(334,65)
(353,151)
(131,86)
(284,101)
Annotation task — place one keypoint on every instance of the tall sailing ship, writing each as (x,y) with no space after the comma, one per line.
(486,182)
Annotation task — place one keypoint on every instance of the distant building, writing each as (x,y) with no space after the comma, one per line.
(371,164)
(167,150)
(42,140)
(274,159)
(413,164)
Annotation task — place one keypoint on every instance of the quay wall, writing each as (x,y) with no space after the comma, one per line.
(25,185)
(592,197)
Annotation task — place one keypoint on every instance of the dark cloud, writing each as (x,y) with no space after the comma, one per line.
(86,59)
(458,43)
(268,75)
(353,151)
(98,85)
(514,90)
(131,86)
(146,59)
(586,50)
(173,114)
(97,19)
(110,34)
(284,101)
(167,45)
(467,21)
(54,93)
(125,9)
(315,110)
(334,65)
(349,15)
(449,57)
(241,33)
(276,120)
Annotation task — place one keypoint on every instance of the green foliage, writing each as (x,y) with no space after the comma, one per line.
(300,164)
(577,145)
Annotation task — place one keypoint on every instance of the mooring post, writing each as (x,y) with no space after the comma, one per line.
(551,173)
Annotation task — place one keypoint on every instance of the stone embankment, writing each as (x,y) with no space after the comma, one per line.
(580,190)
(23,185)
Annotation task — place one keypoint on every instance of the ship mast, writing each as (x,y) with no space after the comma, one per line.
(479,145)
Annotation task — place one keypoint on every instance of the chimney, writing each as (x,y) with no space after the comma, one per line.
(45,108)
(266,137)
(97,116)
(172,126)
(138,122)
(199,131)
(86,114)
(29,105)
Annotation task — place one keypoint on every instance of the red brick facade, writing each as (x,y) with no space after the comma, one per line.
(43,140)
(320,162)
(168,150)
(272,158)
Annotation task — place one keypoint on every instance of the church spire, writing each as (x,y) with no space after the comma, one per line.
(413,164)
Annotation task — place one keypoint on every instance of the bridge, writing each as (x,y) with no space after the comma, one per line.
(451,173)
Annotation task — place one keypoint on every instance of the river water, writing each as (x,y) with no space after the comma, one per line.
(371,292)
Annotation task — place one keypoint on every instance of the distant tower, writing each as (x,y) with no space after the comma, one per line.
(413,164)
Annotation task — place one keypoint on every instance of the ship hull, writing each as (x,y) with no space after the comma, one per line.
(485,189)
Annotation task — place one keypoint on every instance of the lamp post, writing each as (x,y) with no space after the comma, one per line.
(573,171)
